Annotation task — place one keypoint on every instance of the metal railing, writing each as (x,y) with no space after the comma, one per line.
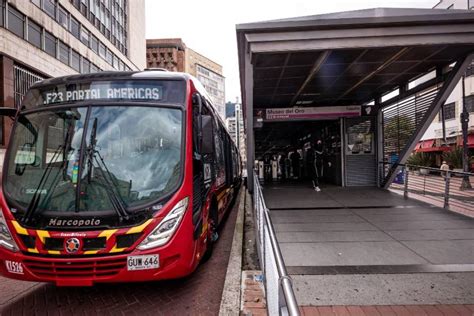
(24,79)
(448,189)
(278,284)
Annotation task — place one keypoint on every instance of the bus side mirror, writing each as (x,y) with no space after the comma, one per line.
(207,145)
(11,112)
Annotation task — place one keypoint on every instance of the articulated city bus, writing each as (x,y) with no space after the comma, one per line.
(114,177)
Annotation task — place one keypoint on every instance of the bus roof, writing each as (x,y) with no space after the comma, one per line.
(112,75)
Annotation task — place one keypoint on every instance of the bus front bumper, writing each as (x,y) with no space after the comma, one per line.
(86,271)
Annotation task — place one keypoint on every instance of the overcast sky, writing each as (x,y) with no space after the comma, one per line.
(208,26)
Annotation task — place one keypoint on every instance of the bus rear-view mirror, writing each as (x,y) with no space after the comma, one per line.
(11,112)
(207,145)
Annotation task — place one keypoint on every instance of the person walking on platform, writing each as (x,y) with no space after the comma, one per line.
(317,171)
(282,162)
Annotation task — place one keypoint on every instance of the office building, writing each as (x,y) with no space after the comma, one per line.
(172,54)
(49,38)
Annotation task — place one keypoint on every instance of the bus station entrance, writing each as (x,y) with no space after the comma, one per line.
(365,85)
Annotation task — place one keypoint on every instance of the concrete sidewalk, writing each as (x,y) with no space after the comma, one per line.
(359,246)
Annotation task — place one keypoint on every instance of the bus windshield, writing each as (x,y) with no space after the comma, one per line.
(79,159)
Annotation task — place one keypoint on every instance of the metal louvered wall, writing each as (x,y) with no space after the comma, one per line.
(400,121)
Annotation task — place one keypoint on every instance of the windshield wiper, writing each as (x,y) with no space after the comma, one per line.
(110,187)
(36,195)
(66,147)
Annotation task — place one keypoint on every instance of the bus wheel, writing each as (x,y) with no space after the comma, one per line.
(212,234)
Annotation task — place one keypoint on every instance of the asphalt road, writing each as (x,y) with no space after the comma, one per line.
(199,294)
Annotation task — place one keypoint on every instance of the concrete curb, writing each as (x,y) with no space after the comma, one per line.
(230,302)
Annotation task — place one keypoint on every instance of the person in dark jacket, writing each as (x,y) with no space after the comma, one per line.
(318,162)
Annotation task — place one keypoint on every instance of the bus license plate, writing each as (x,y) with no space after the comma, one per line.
(143,262)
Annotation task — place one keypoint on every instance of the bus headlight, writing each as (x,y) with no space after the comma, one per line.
(6,238)
(165,230)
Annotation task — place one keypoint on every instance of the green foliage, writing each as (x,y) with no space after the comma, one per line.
(399,129)
(454,158)
(421,159)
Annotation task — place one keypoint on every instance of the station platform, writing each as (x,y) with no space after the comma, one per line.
(371,246)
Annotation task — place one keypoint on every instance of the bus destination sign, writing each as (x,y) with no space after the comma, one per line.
(163,91)
(102,92)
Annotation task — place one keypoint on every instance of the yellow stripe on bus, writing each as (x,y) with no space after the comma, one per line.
(33,250)
(54,252)
(139,229)
(115,249)
(20,230)
(91,252)
(108,233)
(42,234)
(221,195)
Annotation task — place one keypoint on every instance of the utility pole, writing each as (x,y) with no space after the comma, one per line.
(465,184)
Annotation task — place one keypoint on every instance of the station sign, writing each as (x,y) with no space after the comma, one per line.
(307,113)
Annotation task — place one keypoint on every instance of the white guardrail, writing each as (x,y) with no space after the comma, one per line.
(278,284)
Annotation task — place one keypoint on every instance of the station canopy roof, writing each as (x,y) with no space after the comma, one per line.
(348,57)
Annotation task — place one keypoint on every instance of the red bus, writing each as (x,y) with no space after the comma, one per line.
(114,177)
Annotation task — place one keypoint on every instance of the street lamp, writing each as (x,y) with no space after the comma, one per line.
(465,184)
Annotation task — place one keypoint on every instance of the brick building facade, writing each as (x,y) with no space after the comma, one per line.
(172,54)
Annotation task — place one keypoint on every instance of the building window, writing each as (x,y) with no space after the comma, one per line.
(102,50)
(86,66)
(85,36)
(62,17)
(115,62)
(2,21)
(34,34)
(76,4)
(50,44)
(37,3)
(16,22)
(94,44)
(469,103)
(108,56)
(108,17)
(75,61)
(75,27)
(84,7)
(64,53)
(449,112)
(49,6)
(94,68)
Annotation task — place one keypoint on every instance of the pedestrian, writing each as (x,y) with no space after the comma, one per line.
(444,169)
(282,161)
(267,167)
(317,171)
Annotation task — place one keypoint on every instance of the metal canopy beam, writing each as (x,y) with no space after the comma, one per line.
(316,66)
(363,42)
(277,85)
(359,33)
(407,70)
(387,63)
(432,111)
